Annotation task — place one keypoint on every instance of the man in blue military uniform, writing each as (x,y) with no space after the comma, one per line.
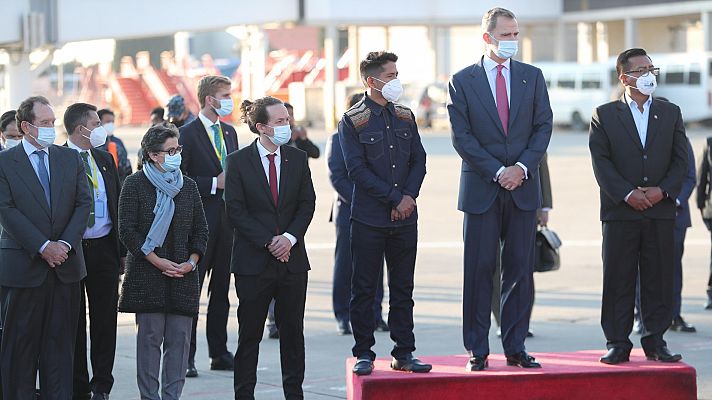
(386,161)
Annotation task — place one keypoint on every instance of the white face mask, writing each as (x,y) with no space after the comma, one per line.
(109,126)
(10,143)
(282,134)
(392,90)
(45,135)
(226,107)
(97,137)
(645,84)
(505,48)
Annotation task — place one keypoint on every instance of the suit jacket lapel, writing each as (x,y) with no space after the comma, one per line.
(260,172)
(482,89)
(516,90)
(284,175)
(626,118)
(28,175)
(57,179)
(229,138)
(652,123)
(109,184)
(205,142)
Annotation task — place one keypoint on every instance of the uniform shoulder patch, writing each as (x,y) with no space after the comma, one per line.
(403,112)
(359,115)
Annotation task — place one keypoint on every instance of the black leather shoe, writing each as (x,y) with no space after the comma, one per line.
(363,366)
(410,364)
(679,325)
(382,326)
(191,371)
(100,396)
(615,355)
(273,332)
(343,327)
(476,363)
(663,354)
(522,359)
(225,362)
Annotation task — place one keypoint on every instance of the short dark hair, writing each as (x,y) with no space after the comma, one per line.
(154,138)
(254,112)
(105,111)
(622,63)
(77,114)
(159,111)
(26,111)
(373,64)
(353,99)
(6,118)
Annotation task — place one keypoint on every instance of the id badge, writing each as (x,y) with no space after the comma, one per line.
(100,209)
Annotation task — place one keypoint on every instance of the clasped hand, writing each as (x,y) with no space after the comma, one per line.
(280,247)
(171,269)
(55,253)
(404,209)
(643,198)
(511,178)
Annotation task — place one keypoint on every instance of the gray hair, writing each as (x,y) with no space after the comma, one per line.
(489,20)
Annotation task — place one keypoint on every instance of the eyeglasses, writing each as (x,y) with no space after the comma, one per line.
(644,72)
(172,152)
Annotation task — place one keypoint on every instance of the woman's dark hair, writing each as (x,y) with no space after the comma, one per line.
(254,112)
(7,118)
(155,137)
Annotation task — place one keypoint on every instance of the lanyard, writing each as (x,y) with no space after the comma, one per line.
(94,181)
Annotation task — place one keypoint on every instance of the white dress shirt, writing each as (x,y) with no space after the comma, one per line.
(102,225)
(35,161)
(641,121)
(490,67)
(207,123)
(278,164)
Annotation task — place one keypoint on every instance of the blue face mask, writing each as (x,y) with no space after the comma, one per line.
(172,162)
(226,107)
(282,134)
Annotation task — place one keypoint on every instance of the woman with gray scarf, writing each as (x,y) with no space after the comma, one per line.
(163,226)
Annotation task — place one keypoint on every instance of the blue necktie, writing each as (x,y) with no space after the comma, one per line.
(44,176)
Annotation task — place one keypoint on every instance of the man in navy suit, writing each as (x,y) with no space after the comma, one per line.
(206,142)
(501,126)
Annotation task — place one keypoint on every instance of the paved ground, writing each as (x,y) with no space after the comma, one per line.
(566,315)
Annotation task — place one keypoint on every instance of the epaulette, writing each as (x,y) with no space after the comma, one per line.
(403,113)
(359,115)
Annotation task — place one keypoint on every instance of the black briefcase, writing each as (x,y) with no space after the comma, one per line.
(547,250)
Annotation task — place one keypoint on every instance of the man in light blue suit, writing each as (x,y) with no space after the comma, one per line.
(501,126)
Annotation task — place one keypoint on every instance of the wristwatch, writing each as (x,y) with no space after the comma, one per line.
(191,262)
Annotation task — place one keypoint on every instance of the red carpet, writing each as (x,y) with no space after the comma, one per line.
(577,376)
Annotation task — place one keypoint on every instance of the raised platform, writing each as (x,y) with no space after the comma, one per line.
(567,376)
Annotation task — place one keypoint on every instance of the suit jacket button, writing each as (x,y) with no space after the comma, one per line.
(645,179)
(645,156)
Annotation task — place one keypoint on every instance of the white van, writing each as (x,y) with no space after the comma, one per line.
(576,89)
(685,80)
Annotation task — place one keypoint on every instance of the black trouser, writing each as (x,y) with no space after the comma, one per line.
(217,262)
(369,245)
(289,290)
(341,287)
(515,229)
(632,248)
(39,329)
(102,290)
(497,293)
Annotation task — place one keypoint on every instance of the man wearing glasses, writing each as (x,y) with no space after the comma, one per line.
(639,154)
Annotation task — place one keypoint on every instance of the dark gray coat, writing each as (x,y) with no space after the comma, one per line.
(145,289)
